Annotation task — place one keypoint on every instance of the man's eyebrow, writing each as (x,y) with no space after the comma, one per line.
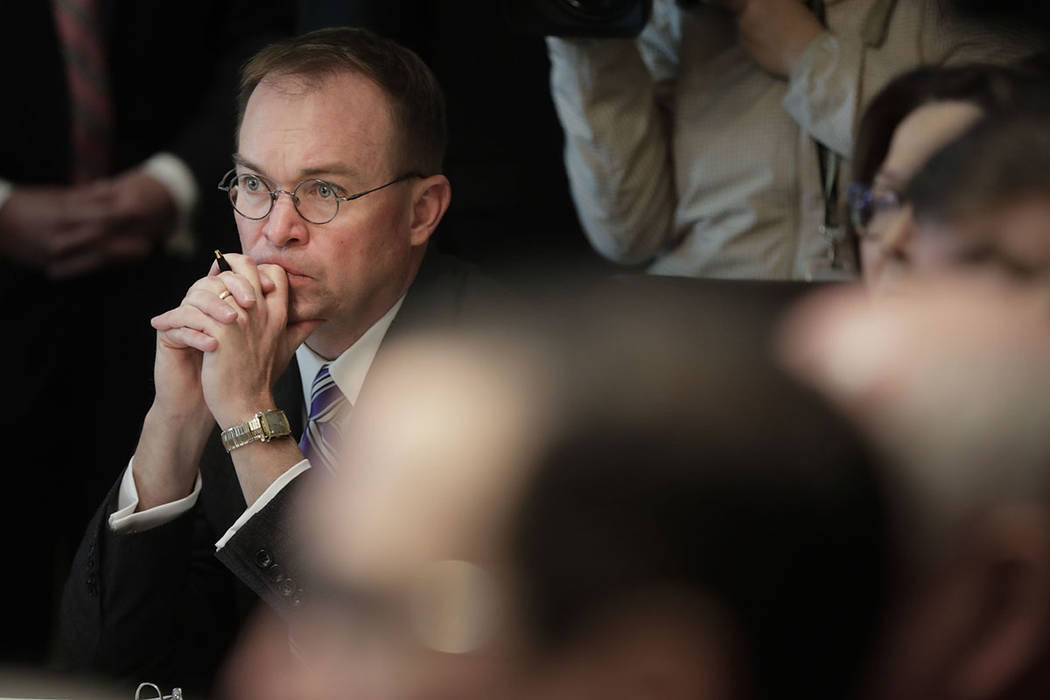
(330,169)
(338,169)
(240,160)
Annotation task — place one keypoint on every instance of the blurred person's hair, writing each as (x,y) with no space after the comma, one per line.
(418,104)
(695,468)
(951,380)
(1038,64)
(999,161)
(993,89)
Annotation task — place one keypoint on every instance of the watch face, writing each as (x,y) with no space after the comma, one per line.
(275,424)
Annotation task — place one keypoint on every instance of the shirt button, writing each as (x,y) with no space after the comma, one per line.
(263,559)
(286,587)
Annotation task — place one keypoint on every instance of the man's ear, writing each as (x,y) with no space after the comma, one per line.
(1011,635)
(430,199)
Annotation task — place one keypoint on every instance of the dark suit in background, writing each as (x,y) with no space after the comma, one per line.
(80,350)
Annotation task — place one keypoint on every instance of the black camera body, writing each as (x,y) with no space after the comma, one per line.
(578,18)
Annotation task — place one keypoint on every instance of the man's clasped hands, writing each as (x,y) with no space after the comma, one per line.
(224,354)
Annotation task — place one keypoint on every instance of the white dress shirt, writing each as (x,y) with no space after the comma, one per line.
(348,371)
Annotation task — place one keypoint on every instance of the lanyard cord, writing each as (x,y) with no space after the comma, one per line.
(827,159)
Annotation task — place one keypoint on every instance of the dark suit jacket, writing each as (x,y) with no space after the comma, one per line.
(161,605)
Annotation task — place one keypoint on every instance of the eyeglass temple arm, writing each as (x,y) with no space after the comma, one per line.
(399,178)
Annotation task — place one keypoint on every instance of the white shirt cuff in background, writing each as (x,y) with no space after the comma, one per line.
(260,502)
(818,98)
(177,177)
(5,192)
(125,520)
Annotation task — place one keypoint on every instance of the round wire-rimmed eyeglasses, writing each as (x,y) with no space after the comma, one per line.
(868,209)
(317,201)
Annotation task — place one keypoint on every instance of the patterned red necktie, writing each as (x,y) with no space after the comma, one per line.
(91,114)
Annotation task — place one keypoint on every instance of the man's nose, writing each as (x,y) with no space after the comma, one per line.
(283,225)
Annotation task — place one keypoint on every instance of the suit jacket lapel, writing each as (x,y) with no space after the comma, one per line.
(433,298)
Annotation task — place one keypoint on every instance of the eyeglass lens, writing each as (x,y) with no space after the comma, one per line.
(315,200)
(871,212)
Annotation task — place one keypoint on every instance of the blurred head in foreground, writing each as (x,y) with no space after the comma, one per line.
(985,200)
(952,379)
(913,117)
(633,509)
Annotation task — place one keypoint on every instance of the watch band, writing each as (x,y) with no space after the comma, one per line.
(263,426)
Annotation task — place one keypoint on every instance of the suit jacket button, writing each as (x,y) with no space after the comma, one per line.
(275,573)
(263,559)
(286,587)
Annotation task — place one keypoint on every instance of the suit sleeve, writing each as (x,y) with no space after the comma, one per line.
(158,604)
(153,605)
(262,553)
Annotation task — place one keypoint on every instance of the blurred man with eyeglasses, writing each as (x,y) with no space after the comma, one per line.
(336,189)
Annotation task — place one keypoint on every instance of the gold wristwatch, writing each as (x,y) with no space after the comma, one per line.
(263,426)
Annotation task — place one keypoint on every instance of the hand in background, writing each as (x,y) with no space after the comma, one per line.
(140,213)
(774,32)
(72,231)
(37,223)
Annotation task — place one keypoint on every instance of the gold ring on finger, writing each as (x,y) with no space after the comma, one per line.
(225,293)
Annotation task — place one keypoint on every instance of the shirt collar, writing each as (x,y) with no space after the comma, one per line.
(349,369)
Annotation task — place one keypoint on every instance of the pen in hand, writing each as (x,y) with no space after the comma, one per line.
(223,265)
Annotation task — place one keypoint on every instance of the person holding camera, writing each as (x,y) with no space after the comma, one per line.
(712,144)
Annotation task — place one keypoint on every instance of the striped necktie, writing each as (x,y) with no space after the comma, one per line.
(91,113)
(320,440)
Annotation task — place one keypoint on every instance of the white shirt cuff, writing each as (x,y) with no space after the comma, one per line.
(260,502)
(5,192)
(177,177)
(125,520)
(818,99)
